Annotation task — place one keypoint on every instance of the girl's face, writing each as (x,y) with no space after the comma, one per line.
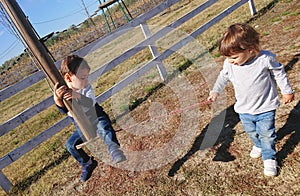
(78,81)
(241,58)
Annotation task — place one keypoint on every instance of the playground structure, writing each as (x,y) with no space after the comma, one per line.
(104,7)
(149,40)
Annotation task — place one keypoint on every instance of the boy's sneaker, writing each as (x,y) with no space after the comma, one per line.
(270,167)
(118,156)
(255,152)
(87,169)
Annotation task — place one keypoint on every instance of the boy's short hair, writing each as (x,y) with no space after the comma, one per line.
(71,64)
(237,38)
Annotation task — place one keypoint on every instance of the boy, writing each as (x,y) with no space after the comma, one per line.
(75,71)
(254,74)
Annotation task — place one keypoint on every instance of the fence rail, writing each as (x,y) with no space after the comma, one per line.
(148,41)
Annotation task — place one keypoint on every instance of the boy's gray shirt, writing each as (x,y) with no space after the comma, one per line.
(255,83)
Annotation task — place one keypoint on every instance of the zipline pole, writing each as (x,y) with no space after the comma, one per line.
(43,58)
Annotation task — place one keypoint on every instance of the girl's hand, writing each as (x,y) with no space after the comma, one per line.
(213,97)
(287,98)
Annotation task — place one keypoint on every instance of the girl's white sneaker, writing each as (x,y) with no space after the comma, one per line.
(255,152)
(270,167)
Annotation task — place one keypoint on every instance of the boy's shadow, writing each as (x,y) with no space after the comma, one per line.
(225,138)
(292,126)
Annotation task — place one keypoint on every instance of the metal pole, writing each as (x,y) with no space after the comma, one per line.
(123,11)
(104,16)
(87,12)
(112,20)
(126,9)
(40,53)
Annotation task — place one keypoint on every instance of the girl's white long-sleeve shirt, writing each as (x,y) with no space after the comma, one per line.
(255,83)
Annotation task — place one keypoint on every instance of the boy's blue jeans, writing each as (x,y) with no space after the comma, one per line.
(261,129)
(104,130)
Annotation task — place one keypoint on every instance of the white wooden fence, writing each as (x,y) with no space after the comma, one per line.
(149,41)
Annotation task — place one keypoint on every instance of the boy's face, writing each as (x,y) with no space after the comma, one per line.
(78,81)
(240,58)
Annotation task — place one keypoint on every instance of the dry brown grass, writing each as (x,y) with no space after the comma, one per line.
(225,169)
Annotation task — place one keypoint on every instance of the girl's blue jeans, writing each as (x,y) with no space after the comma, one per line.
(104,130)
(261,129)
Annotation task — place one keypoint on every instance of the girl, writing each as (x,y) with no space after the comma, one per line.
(254,74)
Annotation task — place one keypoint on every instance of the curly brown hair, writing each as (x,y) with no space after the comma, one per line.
(238,38)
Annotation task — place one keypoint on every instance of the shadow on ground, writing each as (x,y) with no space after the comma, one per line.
(24,184)
(292,125)
(224,140)
(292,128)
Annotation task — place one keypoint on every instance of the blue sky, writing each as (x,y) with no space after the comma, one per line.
(46,16)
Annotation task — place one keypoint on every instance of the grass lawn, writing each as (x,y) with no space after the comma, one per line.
(167,155)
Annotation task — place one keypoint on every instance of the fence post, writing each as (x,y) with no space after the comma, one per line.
(154,51)
(41,55)
(252,7)
(4,182)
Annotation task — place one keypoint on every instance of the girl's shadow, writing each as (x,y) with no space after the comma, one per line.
(225,138)
(292,126)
